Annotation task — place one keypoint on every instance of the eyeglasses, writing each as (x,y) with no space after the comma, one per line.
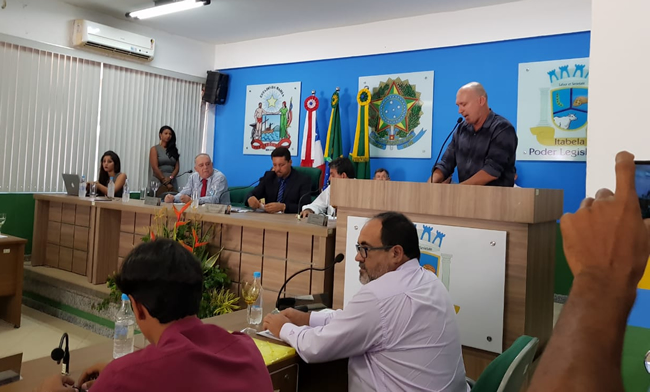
(363,250)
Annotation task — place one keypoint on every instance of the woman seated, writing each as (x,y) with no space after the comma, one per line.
(110,167)
(163,159)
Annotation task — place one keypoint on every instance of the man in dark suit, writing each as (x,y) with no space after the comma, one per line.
(282,188)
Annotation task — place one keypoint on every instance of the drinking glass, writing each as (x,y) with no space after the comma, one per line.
(250,292)
(3,218)
(93,190)
(154,187)
(143,193)
(196,195)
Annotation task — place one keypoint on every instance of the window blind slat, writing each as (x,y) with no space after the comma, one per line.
(59,113)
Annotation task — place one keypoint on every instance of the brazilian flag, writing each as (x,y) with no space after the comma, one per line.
(360,155)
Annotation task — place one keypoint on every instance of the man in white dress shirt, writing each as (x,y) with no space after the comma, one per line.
(339,168)
(210,183)
(399,331)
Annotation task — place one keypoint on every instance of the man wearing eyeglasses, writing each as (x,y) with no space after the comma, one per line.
(398,332)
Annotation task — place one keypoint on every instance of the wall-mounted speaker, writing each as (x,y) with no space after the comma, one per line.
(216,88)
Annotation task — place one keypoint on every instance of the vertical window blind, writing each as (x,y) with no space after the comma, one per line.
(49,107)
(135,105)
(59,113)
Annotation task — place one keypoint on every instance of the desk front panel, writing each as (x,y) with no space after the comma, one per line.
(63,233)
(275,245)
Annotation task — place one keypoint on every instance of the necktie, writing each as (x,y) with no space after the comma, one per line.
(283,183)
(204,188)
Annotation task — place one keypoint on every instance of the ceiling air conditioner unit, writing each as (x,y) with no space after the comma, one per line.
(108,39)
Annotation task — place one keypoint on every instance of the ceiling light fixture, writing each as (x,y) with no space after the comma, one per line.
(166,7)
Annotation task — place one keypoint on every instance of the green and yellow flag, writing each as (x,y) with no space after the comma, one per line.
(333,146)
(360,155)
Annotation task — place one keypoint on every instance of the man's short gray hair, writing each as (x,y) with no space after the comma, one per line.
(200,155)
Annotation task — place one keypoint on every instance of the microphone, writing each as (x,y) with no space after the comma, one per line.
(289,302)
(310,193)
(59,354)
(180,175)
(460,120)
(234,188)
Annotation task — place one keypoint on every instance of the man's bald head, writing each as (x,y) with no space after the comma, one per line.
(476,88)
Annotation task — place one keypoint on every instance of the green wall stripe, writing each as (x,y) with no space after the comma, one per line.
(19,208)
(69,309)
(635,345)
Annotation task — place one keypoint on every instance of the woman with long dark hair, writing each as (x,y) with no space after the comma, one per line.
(110,166)
(163,159)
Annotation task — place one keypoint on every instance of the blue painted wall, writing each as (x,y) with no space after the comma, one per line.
(495,65)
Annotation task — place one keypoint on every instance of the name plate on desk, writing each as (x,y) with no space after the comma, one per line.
(317,219)
(151,201)
(218,208)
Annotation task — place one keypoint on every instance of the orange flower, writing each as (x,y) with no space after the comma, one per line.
(197,244)
(185,246)
(153,236)
(179,213)
(180,223)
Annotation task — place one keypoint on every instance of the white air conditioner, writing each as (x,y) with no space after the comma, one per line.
(108,39)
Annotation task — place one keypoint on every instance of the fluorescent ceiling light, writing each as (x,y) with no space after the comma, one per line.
(167,8)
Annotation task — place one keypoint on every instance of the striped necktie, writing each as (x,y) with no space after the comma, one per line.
(283,183)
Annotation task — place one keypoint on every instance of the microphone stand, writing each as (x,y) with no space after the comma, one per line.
(433,169)
(290,302)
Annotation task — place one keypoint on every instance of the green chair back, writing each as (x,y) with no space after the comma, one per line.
(311,172)
(508,371)
(238,195)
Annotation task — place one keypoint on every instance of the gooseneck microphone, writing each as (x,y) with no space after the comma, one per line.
(291,301)
(310,193)
(184,173)
(234,188)
(433,169)
(60,354)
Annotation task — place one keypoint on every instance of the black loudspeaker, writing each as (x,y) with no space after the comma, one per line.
(216,88)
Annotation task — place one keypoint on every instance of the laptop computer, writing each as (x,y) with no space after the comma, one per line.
(71,182)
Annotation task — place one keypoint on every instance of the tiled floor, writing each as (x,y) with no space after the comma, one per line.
(39,333)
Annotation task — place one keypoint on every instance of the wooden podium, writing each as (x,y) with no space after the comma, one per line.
(528,216)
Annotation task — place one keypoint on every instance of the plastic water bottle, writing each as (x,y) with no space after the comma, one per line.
(111,189)
(82,187)
(126,196)
(256,308)
(124,329)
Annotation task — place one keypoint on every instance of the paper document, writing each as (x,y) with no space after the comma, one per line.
(268,334)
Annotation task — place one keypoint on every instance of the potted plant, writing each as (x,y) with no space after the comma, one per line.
(217,298)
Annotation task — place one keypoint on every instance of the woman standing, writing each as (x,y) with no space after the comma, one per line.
(110,166)
(163,159)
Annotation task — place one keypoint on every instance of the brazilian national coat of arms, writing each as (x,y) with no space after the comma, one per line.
(395,111)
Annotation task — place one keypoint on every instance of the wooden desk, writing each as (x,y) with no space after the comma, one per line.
(64,233)
(284,374)
(67,233)
(12,257)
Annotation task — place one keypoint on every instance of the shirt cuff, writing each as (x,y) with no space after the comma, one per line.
(318,319)
(492,171)
(289,332)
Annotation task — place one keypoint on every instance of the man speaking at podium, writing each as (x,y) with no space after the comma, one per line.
(484,146)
